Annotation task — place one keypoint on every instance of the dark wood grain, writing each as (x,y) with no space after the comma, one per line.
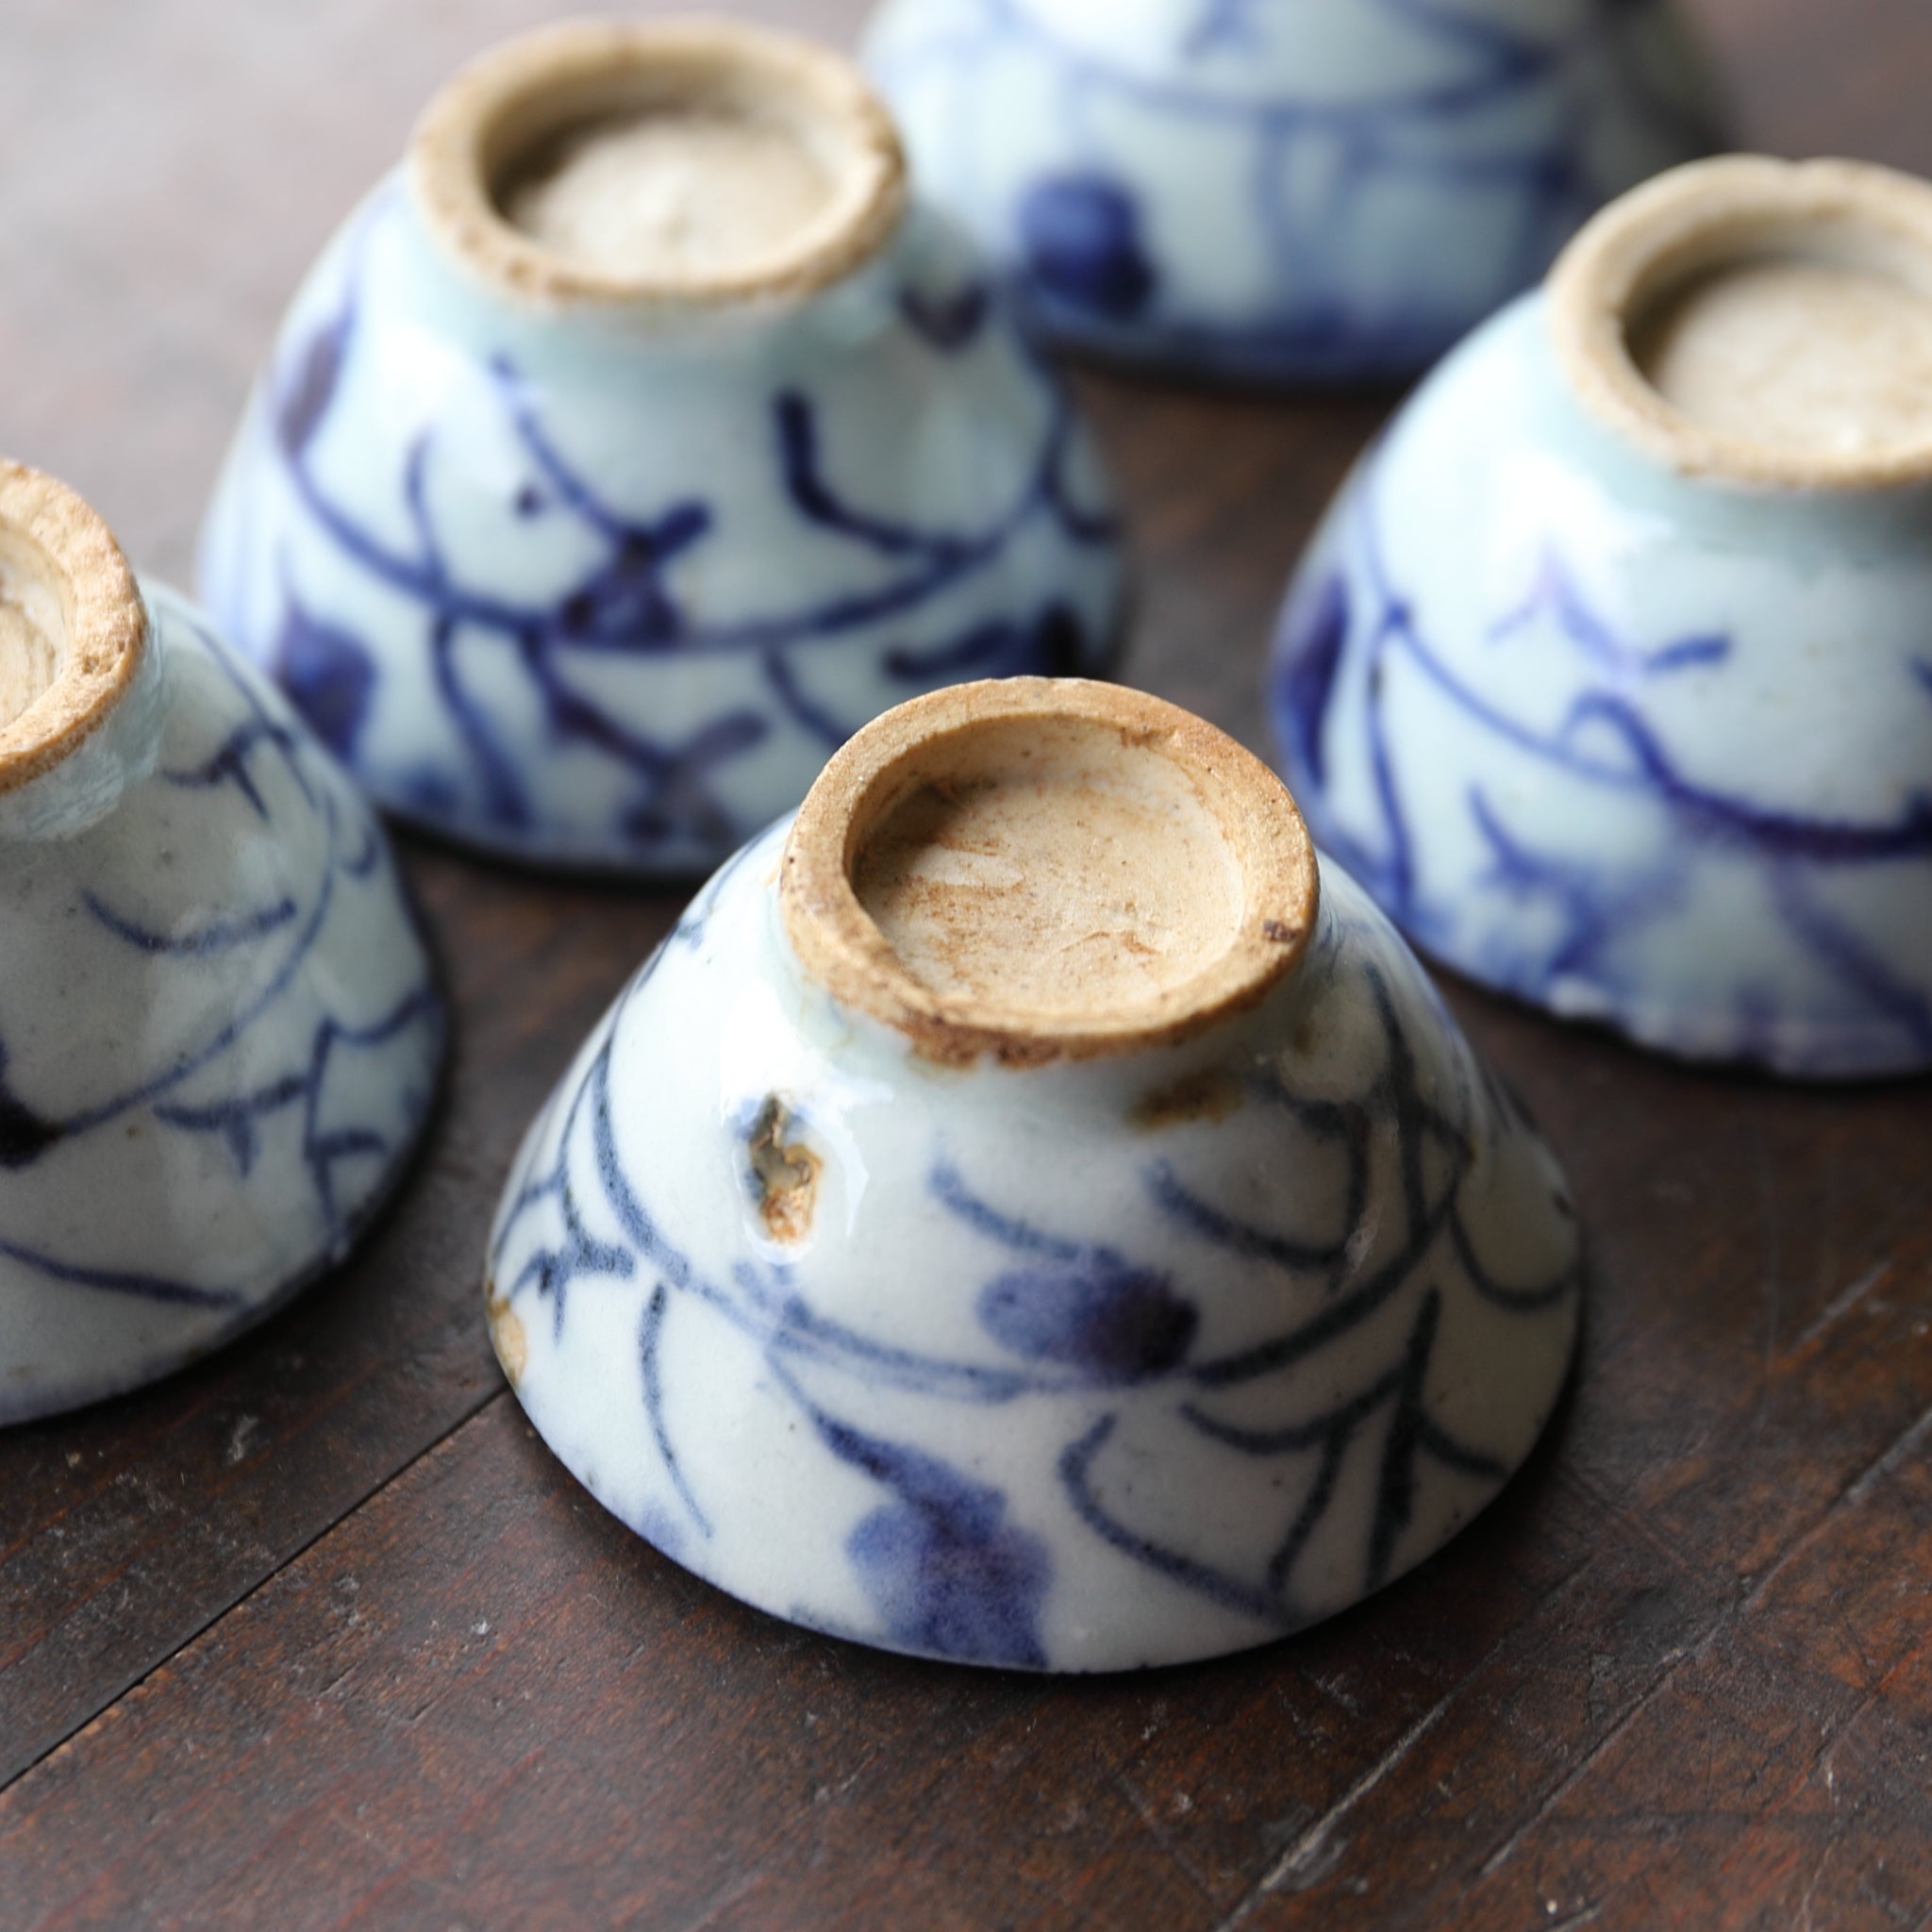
(319,1635)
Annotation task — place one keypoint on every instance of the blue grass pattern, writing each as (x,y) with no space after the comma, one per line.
(226,778)
(1355,620)
(624,605)
(947,1568)
(1082,240)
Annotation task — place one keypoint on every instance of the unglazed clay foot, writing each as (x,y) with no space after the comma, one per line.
(1284,189)
(639,440)
(1029,1213)
(1609,673)
(219,1028)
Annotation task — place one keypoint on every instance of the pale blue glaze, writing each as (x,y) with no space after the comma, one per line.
(220,1029)
(1284,189)
(1637,747)
(606,589)
(1048,1379)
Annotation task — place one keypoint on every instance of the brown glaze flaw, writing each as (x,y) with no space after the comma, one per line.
(787,1172)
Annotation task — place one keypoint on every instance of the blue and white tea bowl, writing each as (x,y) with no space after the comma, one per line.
(1082,1365)
(1640,738)
(220,1031)
(599,573)
(1284,189)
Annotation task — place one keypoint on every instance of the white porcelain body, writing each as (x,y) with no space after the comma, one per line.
(1082,1367)
(1640,748)
(219,1028)
(1284,188)
(606,590)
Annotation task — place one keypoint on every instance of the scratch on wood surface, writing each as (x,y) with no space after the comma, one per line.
(1840,1305)
(1848,1498)
(1913,1440)
(1333,1692)
(1811,1884)
(1150,1820)
(1836,1734)
(1854,1494)
(731,1892)
(1511,1845)
(1635,1522)
(1302,1856)
(1869,1673)
(1773,1273)
(241,1605)
(1588,1916)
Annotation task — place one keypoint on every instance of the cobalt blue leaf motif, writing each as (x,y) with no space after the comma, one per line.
(948,1576)
(503,643)
(276,1053)
(1597,923)
(972,1493)
(328,674)
(24,1135)
(1080,235)
(1312,640)
(1276,191)
(1119,1322)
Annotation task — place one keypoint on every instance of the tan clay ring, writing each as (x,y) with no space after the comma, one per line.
(1701,218)
(513,100)
(72,630)
(1040,869)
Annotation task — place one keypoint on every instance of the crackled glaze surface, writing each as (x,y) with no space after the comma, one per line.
(1637,747)
(607,589)
(1290,189)
(219,1028)
(1074,1367)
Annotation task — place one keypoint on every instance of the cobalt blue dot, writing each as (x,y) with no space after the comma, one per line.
(1312,644)
(1120,1324)
(1081,237)
(947,1576)
(1284,189)
(329,676)
(24,1135)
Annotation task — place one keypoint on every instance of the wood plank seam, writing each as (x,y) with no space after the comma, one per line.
(261,1583)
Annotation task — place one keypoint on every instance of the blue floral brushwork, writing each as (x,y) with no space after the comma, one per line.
(1081,237)
(1084,242)
(945,1566)
(946,1573)
(1432,1220)
(1606,738)
(624,603)
(1223,22)
(231,778)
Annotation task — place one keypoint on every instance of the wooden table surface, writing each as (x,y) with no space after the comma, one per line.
(318,1633)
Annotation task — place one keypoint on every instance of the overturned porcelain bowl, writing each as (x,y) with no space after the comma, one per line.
(1023,1215)
(1284,189)
(636,442)
(219,1030)
(1607,672)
